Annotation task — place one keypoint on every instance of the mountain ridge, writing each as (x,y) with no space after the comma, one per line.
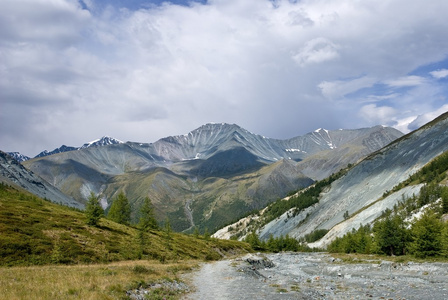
(13,173)
(104,141)
(363,193)
(209,176)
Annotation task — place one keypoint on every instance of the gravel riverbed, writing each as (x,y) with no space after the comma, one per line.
(316,276)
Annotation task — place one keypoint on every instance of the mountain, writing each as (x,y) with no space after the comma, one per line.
(345,149)
(61,149)
(18,156)
(13,173)
(210,176)
(362,193)
(210,139)
(104,141)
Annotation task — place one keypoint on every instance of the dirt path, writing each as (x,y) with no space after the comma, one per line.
(226,280)
(319,276)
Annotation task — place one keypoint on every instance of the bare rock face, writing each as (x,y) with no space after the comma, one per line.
(364,185)
(13,173)
(210,176)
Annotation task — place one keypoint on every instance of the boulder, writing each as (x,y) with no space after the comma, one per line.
(259,262)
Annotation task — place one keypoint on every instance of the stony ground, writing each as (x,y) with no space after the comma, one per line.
(317,276)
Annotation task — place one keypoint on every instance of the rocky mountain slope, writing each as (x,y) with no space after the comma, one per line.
(14,174)
(18,156)
(209,176)
(359,193)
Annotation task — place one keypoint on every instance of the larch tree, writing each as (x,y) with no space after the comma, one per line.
(93,211)
(120,210)
(147,218)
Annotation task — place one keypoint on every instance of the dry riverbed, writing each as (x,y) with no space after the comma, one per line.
(317,276)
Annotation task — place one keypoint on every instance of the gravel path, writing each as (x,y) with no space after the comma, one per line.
(318,276)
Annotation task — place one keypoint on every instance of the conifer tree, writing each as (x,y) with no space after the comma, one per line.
(206,234)
(391,235)
(147,218)
(444,251)
(253,240)
(167,228)
(427,236)
(196,232)
(444,200)
(120,210)
(93,211)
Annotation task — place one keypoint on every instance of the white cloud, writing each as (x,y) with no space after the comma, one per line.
(427,117)
(317,50)
(377,114)
(340,88)
(406,81)
(403,124)
(438,74)
(56,23)
(142,75)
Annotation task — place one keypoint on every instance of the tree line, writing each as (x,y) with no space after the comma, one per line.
(306,198)
(120,212)
(275,244)
(396,233)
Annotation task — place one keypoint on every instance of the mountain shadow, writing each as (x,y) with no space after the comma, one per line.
(228,163)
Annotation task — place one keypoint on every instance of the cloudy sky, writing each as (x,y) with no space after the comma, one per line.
(73,71)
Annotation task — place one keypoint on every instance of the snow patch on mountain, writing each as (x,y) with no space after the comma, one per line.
(104,141)
(18,156)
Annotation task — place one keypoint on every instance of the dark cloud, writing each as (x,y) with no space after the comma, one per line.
(74,71)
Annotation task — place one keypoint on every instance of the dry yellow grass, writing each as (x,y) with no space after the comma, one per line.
(98,281)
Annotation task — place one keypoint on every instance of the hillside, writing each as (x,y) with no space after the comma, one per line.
(356,196)
(210,176)
(13,173)
(34,231)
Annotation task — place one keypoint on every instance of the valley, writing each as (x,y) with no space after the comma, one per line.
(220,171)
(359,195)
(223,149)
(289,208)
(319,276)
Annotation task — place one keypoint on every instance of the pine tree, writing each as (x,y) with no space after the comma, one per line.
(444,200)
(427,236)
(253,240)
(167,229)
(93,211)
(206,234)
(147,218)
(196,232)
(444,251)
(271,244)
(391,235)
(120,210)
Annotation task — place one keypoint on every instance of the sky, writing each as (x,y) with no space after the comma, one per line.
(72,71)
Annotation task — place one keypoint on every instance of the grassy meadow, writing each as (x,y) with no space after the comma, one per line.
(47,251)
(95,281)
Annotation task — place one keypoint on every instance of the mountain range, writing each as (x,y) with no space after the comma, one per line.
(13,173)
(104,141)
(360,195)
(210,176)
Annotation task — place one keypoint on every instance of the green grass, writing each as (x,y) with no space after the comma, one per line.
(36,232)
(94,281)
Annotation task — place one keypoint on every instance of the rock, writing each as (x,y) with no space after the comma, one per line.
(259,262)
